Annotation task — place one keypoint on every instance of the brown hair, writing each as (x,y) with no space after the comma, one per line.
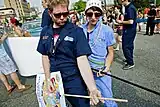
(53,3)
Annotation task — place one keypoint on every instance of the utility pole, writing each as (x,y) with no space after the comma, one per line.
(155,2)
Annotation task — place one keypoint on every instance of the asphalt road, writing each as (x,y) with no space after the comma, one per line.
(146,73)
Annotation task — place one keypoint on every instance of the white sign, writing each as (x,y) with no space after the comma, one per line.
(47,99)
(24,52)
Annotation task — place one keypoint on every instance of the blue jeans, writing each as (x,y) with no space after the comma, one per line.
(104,84)
(128,45)
(76,86)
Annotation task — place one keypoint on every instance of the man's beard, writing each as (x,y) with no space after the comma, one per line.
(62,23)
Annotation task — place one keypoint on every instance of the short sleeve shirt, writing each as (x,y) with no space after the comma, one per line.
(152,12)
(70,45)
(130,14)
(99,44)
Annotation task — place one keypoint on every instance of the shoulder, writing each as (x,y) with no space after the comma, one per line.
(107,29)
(74,27)
(132,7)
(44,30)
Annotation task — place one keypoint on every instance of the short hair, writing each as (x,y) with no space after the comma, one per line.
(53,3)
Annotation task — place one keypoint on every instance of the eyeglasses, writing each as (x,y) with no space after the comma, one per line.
(90,14)
(58,15)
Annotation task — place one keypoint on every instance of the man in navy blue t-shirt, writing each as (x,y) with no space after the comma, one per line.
(129,33)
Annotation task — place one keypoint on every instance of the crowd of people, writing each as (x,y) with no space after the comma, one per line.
(81,46)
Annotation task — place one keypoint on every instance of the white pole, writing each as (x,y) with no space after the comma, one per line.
(155,2)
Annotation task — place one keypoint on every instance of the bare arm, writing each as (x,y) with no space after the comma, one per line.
(86,72)
(87,76)
(46,66)
(109,58)
(128,22)
(2,38)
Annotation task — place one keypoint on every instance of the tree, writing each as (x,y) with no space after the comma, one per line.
(158,2)
(79,6)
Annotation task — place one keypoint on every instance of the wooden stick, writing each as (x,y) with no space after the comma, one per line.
(111,99)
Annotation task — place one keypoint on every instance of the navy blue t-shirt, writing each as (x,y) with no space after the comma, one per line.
(46,19)
(130,14)
(71,44)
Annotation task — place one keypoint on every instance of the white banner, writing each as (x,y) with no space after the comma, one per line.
(46,99)
(24,53)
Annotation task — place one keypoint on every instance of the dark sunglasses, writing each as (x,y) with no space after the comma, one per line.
(58,15)
(90,14)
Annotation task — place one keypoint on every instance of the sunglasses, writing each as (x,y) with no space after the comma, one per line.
(90,14)
(58,15)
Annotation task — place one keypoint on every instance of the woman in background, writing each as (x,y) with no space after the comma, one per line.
(7,67)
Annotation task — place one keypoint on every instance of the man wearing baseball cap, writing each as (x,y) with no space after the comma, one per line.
(101,40)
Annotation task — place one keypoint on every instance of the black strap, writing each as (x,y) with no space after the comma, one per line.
(88,36)
(128,82)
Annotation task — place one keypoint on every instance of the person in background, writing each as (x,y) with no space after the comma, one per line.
(146,10)
(74,19)
(140,17)
(46,19)
(151,21)
(158,20)
(19,31)
(119,27)
(129,33)
(7,67)
(101,40)
(64,48)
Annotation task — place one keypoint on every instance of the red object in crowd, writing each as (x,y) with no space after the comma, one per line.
(13,20)
(146,10)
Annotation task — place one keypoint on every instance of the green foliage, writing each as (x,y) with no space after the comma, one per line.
(158,2)
(141,3)
(79,6)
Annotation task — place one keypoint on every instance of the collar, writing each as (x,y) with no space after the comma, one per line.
(85,26)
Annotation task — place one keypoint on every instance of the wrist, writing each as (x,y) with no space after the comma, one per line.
(93,89)
(107,69)
(48,79)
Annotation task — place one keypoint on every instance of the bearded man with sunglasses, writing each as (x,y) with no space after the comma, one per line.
(64,48)
(101,40)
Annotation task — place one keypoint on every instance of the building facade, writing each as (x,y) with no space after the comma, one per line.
(21,7)
(6,12)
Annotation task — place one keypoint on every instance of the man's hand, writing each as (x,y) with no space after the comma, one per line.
(49,86)
(95,97)
(105,71)
(119,21)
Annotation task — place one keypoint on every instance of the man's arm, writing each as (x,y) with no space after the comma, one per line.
(46,66)
(86,72)
(125,22)
(87,76)
(109,58)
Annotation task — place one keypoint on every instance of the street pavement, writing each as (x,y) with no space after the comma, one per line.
(146,73)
